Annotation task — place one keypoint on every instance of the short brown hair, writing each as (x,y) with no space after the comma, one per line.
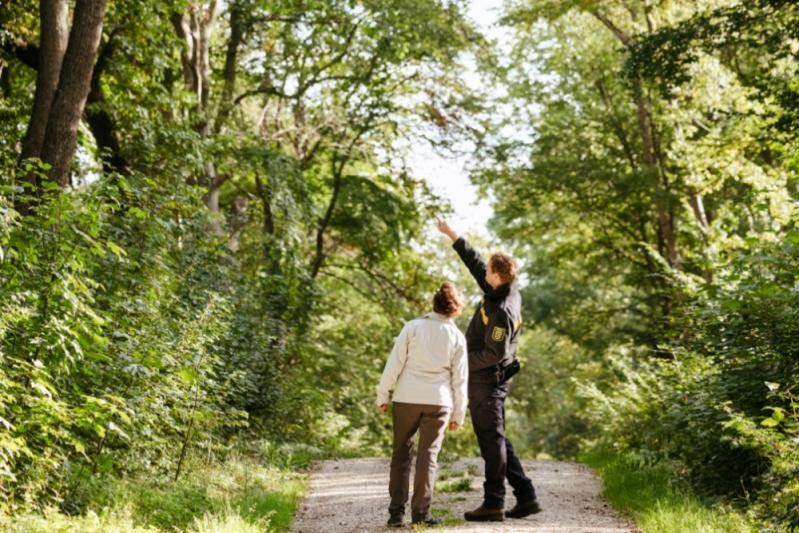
(448,299)
(505,266)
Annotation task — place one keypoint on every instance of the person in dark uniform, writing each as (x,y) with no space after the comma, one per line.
(491,339)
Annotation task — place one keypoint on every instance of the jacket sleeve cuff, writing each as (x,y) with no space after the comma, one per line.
(381,398)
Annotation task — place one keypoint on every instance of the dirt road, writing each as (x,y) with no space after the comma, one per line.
(351,495)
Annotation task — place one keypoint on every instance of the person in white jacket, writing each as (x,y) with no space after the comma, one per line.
(428,369)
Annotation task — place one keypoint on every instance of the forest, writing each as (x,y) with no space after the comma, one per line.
(210,235)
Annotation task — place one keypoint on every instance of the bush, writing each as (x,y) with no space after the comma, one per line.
(725,406)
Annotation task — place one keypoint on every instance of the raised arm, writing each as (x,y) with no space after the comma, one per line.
(468,255)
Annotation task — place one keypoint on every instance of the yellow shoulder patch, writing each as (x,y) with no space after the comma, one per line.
(498,334)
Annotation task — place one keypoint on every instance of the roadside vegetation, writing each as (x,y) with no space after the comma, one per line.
(245,491)
(656,499)
(210,235)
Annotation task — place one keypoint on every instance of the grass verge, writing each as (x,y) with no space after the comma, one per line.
(656,502)
(242,494)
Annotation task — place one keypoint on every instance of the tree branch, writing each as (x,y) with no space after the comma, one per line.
(622,36)
(325,222)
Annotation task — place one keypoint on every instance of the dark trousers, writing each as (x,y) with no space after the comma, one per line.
(487,408)
(430,421)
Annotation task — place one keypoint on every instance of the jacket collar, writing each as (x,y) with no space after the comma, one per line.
(500,293)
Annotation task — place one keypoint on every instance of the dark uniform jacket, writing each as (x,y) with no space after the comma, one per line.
(493,333)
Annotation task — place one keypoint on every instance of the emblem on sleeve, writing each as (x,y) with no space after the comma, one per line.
(498,334)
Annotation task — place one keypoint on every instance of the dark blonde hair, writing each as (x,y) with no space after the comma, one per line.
(505,266)
(448,299)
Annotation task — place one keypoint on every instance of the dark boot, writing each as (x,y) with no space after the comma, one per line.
(426,520)
(524,508)
(484,514)
(395,520)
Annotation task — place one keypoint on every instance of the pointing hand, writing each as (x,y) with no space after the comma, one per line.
(444,227)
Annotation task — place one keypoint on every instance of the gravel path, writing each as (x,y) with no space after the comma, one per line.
(351,495)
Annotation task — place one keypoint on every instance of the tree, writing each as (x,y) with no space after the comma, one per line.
(64,78)
(131,335)
(643,117)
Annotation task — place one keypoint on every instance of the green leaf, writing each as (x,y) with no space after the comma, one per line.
(44,391)
(116,429)
(188,375)
(138,213)
(105,463)
(116,250)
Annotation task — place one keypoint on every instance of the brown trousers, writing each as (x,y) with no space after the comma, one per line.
(430,421)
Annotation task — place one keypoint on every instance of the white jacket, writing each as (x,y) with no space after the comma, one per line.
(428,365)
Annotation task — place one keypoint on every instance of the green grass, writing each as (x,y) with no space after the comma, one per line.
(461,484)
(446,517)
(168,505)
(240,495)
(651,497)
(450,481)
(256,491)
(118,520)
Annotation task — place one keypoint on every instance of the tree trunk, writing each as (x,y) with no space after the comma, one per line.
(698,207)
(272,255)
(54,20)
(204,59)
(662,201)
(231,58)
(665,215)
(60,139)
(265,192)
(211,197)
(54,16)
(183,29)
(5,80)
(319,258)
(196,34)
(100,121)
